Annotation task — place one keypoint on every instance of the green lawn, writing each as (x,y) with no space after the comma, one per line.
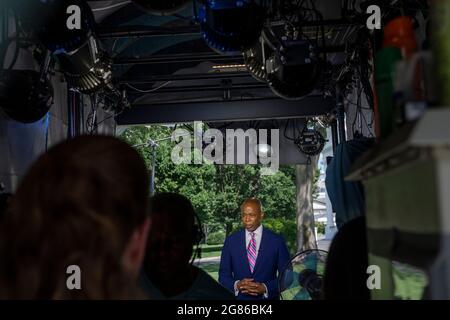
(212,270)
(211,250)
(409,282)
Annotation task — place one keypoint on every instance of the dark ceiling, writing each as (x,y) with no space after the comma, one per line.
(167,56)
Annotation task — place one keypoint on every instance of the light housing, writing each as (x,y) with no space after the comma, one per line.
(294,68)
(231,25)
(48,21)
(264,150)
(311,142)
(87,69)
(24,96)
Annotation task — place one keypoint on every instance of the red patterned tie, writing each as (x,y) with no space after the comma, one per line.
(251,252)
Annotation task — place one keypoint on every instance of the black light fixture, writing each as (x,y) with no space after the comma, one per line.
(87,69)
(24,95)
(231,25)
(47,20)
(161,7)
(311,142)
(293,68)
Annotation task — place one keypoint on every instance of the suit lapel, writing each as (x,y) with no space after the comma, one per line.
(261,251)
(244,250)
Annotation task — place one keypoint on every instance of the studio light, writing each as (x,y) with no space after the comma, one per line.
(231,25)
(47,20)
(24,96)
(161,7)
(311,142)
(285,59)
(88,69)
(264,150)
(293,68)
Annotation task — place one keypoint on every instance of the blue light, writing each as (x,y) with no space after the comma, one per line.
(225,36)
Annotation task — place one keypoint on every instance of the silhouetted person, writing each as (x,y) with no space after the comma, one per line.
(5,199)
(83,203)
(252,258)
(346,269)
(168,272)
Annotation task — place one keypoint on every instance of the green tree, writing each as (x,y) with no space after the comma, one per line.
(234,184)
(277,194)
(216,191)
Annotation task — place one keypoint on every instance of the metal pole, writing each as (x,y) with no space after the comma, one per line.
(152,179)
(154,144)
(334,135)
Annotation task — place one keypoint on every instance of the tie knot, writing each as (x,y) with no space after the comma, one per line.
(252,234)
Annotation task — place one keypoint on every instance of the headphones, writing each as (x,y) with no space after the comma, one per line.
(197,228)
(198,236)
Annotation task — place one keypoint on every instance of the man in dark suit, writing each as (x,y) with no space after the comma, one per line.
(251,258)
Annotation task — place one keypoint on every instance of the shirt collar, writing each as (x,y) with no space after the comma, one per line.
(257,232)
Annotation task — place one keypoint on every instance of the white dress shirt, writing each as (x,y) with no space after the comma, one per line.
(248,237)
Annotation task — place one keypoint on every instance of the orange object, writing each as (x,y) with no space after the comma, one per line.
(400,33)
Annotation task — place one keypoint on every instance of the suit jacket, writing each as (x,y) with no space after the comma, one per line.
(273,256)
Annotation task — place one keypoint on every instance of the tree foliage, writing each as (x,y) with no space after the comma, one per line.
(216,191)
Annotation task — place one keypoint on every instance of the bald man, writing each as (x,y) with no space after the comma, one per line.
(253,257)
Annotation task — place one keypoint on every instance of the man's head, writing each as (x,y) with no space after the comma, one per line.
(251,214)
(172,237)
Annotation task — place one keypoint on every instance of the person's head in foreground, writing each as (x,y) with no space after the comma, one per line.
(168,271)
(251,214)
(346,269)
(82,203)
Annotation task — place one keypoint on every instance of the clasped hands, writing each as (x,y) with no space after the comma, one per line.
(250,287)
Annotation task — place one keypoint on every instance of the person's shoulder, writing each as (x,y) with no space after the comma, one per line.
(235,235)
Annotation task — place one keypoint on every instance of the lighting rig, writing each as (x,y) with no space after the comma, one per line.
(86,66)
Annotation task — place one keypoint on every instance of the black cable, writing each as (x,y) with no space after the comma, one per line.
(300,132)
(91,121)
(322,28)
(357,108)
(107,118)
(285,133)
